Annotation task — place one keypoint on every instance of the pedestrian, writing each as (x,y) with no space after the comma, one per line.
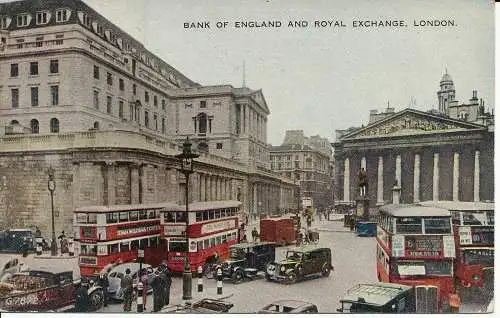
(82,298)
(104,283)
(455,303)
(309,221)
(167,284)
(255,234)
(144,281)
(246,219)
(158,288)
(244,239)
(38,233)
(127,287)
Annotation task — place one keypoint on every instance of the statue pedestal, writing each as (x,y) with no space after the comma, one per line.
(362,208)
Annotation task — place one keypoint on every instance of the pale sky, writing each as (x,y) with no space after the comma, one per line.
(320,80)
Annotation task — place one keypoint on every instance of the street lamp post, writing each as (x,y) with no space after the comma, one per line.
(51,185)
(186,158)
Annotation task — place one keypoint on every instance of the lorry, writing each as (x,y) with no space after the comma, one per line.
(282,231)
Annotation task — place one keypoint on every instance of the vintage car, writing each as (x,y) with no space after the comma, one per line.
(42,290)
(246,260)
(118,272)
(9,267)
(17,241)
(301,262)
(367,228)
(389,298)
(289,307)
(203,306)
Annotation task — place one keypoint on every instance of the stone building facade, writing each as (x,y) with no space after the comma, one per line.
(80,95)
(308,160)
(431,157)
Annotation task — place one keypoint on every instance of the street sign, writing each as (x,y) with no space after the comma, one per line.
(140,253)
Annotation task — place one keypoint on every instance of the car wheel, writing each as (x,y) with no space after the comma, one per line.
(238,276)
(96,300)
(325,270)
(268,277)
(292,277)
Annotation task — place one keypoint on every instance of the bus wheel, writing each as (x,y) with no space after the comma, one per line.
(238,276)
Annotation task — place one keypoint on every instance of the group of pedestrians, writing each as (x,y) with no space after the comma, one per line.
(161,284)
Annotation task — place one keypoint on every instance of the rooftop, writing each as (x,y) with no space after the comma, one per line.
(414,210)
(377,294)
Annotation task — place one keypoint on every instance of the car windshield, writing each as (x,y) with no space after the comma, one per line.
(292,255)
(237,253)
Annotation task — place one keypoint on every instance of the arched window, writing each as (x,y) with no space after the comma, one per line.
(202,123)
(96,125)
(14,122)
(35,127)
(54,125)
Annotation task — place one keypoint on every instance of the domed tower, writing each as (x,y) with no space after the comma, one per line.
(446,94)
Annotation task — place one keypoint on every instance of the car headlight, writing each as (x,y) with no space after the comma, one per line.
(476,277)
(282,268)
(271,267)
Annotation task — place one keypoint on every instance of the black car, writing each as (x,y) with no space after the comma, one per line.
(203,306)
(17,241)
(246,260)
(301,262)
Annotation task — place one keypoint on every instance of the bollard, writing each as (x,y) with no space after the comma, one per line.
(200,279)
(140,305)
(71,247)
(39,246)
(219,281)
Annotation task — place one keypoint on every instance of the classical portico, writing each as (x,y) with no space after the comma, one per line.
(430,157)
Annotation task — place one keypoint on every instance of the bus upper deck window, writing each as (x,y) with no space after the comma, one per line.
(199,216)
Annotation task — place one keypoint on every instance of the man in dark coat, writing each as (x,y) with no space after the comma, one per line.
(127,287)
(82,298)
(158,291)
(167,278)
(104,283)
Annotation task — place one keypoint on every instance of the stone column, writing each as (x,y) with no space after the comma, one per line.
(202,187)
(110,183)
(155,181)
(347,195)
(477,170)
(456,175)
(255,199)
(380,181)
(142,183)
(398,169)
(76,184)
(416,179)
(435,178)
(213,188)
(134,183)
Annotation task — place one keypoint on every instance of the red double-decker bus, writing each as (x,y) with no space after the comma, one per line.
(473,226)
(110,234)
(415,246)
(213,227)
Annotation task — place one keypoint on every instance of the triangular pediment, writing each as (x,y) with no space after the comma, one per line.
(411,122)
(258,97)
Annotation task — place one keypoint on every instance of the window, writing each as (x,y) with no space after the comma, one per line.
(35,126)
(408,225)
(54,66)
(109,102)
(96,125)
(163,105)
(203,104)
(96,72)
(134,89)
(4,23)
(202,123)
(96,99)
(146,97)
(54,125)
(155,101)
(478,256)
(34,96)
(14,93)
(146,119)
(155,118)
(34,68)
(131,112)
(109,79)
(14,70)
(54,94)
(219,145)
(472,218)
(22,20)
(163,128)
(62,15)
(437,226)
(120,109)
(121,84)
(41,17)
